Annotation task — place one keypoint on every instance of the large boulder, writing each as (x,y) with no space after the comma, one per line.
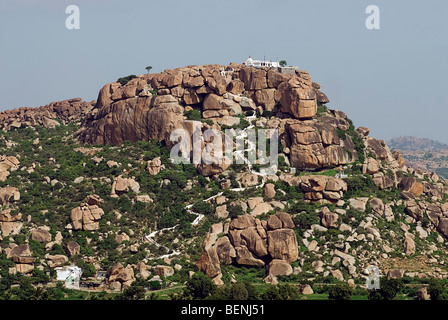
(72,248)
(409,246)
(154,166)
(164,271)
(328,219)
(225,251)
(208,262)
(10,224)
(245,257)
(8,194)
(282,244)
(41,235)
(279,268)
(120,277)
(412,185)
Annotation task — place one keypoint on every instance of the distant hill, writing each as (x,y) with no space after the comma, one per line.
(422,153)
(415,144)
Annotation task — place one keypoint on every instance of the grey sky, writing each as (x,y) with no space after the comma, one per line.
(392,80)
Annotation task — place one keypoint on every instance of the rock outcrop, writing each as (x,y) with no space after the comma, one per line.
(252,242)
(7,165)
(119,277)
(86,217)
(10,224)
(72,110)
(152,106)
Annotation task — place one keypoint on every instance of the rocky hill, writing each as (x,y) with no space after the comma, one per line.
(423,154)
(416,144)
(92,185)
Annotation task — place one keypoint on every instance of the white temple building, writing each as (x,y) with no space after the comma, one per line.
(261,64)
(69,274)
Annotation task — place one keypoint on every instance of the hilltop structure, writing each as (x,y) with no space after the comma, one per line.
(270,64)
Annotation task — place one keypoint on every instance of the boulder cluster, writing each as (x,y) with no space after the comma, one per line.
(87,215)
(7,164)
(249,241)
(72,110)
(220,92)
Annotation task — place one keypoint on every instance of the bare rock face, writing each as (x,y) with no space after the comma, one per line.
(395,274)
(225,251)
(93,200)
(269,190)
(282,244)
(412,185)
(314,145)
(245,257)
(208,262)
(422,294)
(318,187)
(57,260)
(41,235)
(300,102)
(443,226)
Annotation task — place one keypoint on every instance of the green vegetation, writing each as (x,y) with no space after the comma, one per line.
(126,79)
(340,291)
(389,288)
(194,114)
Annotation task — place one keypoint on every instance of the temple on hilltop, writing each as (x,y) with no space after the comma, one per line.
(270,64)
(261,64)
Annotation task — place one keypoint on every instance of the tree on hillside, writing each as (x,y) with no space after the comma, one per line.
(148,68)
(340,291)
(200,286)
(282,63)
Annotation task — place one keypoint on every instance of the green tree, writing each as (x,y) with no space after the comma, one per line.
(341,291)
(435,289)
(272,293)
(200,286)
(282,63)
(126,79)
(132,293)
(238,291)
(288,292)
(148,68)
(389,288)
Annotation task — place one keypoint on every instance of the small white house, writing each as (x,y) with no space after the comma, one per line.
(261,64)
(69,274)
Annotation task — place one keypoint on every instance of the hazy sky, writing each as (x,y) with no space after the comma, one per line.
(392,80)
